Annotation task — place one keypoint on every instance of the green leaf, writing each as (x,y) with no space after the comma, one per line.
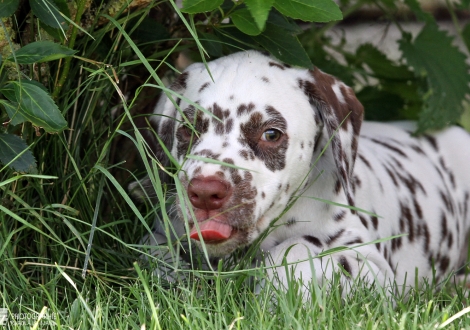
(415,7)
(283,22)
(381,65)
(259,10)
(308,10)
(463,5)
(433,56)
(380,105)
(211,44)
(13,111)
(41,51)
(56,34)
(36,106)
(150,30)
(62,6)
(10,147)
(48,13)
(8,7)
(200,6)
(283,45)
(466,35)
(244,22)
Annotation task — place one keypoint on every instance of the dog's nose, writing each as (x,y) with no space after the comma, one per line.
(208,193)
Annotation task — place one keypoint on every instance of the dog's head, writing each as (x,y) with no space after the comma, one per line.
(246,136)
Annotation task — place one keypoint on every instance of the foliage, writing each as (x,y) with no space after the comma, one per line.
(76,79)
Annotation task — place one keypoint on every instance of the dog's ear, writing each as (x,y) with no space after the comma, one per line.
(341,113)
(161,126)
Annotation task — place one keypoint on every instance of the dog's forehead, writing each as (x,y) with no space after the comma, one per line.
(258,82)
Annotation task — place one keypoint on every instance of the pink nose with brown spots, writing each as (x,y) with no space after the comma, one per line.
(208,193)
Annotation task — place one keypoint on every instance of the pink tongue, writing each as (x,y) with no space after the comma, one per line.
(212,230)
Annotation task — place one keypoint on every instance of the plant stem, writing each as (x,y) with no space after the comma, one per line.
(65,71)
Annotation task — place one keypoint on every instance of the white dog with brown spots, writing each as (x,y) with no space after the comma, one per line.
(279,135)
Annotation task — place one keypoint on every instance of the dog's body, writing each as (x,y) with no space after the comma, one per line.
(293,137)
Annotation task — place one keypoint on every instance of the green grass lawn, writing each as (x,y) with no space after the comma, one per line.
(119,294)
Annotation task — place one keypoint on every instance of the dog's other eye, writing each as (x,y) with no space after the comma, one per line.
(187,133)
(271,135)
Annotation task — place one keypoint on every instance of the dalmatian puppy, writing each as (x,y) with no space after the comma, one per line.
(265,147)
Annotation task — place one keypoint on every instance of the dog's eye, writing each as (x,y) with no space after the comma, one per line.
(271,135)
(187,133)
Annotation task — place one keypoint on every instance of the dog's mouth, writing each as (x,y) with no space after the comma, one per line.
(212,231)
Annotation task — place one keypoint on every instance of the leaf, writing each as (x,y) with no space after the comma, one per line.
(259,10)
(463,5)
(36,106)
(150,30)
(283,45)
(380,105)
(308,10)
(415,7)
(13,111)
(283,22)
(48,13)
(244,22)
(10,147)
(211,44)
(56,34)
(433,56)
(381,65)
(41,51)
(200,6)
(8,7)
(63,7)
(466,35)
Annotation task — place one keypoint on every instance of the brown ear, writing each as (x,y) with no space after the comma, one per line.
(342,114)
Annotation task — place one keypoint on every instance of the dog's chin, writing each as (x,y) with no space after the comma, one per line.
(220,249)
(216,250)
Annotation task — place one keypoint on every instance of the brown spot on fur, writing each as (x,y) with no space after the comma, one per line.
(345,264)
(417,149)
(245,109)
(432,141)
(390,147)
(357,240)
(244,154)
(337,187)
(204,87)
(375,221)
(444,264)
(417,207)
(333,238)
(313,240)
(180,82)
(365,161)
(363,221)
(276,65)
(339,216)
(228,126)
(447,202)
(392,176)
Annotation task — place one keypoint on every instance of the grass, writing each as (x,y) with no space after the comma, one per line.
(69,238)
